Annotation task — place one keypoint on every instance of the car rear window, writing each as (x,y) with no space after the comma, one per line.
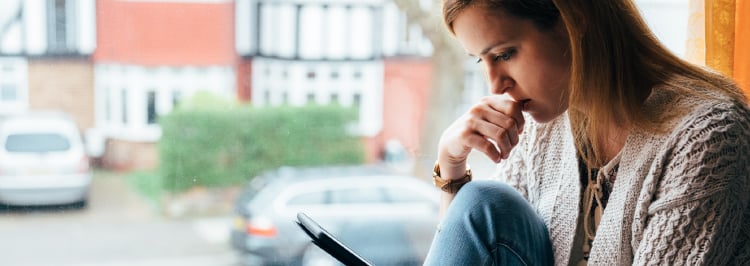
(37,142)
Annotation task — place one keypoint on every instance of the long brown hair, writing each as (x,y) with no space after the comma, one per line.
(616,61)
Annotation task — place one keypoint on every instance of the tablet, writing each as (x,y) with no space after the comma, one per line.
(328,243)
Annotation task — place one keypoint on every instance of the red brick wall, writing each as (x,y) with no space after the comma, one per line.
(63,84)
(405,95)
(165,33)
(244,80)
(128,155)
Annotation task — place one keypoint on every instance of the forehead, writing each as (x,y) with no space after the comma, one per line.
(477,27)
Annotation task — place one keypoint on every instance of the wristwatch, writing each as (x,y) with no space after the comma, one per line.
(449,185)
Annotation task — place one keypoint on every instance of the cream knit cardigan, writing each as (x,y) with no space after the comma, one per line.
(681,198)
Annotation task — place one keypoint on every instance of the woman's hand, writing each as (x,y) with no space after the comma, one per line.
(495,120)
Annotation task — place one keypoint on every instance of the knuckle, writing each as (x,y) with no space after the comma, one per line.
(508,123)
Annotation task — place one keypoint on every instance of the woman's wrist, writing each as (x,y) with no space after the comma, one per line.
(452,170)
(450,185)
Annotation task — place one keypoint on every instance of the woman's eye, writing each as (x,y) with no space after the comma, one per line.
(505,56)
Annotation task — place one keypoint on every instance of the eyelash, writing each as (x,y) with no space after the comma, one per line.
(505,56)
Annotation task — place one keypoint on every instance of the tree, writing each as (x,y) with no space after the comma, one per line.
(448,77)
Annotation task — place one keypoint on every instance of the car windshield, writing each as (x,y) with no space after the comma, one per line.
(37,142)
(204,126)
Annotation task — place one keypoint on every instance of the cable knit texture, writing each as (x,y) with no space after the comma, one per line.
(681,197)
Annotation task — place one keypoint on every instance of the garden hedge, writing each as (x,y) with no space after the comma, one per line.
(228,146)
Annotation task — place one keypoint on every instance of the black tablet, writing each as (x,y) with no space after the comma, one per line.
(328,243)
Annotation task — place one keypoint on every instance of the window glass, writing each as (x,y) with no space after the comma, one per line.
(309,198)
(8,93)
(402,195)
(357,196)
(37,143)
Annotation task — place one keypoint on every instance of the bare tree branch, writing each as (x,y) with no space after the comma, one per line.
(447,78)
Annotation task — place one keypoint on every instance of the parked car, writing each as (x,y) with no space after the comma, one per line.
(387,218)
(42,161)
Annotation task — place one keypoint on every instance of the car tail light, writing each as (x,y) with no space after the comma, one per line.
(83,165)
(261,226)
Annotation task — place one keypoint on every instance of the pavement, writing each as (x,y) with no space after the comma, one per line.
(117,228)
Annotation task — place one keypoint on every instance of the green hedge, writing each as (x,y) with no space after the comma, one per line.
(220,147)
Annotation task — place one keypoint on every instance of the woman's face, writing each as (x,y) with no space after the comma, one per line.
(529,65)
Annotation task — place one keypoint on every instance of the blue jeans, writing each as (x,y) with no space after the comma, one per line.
(490,223)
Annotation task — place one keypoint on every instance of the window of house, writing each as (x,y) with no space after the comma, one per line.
(124,106)
(334,98)
(151,107)
(107,105)
(285,98)
(176,98)
(58,40)
(311,98)
(357,100)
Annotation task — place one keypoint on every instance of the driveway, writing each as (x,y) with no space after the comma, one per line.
(117,228)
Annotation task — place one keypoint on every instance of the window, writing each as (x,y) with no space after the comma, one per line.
(309,198)
(402,195)
(311,98)
(176,98)
(8,93)
(357,100)
(59,32)
(124,106)
(107,105)
(334,98)
(357,196)
(151,108)
(37,142)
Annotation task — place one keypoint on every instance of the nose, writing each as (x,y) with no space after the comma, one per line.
(499,80)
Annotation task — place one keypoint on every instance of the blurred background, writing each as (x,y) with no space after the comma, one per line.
(186,110)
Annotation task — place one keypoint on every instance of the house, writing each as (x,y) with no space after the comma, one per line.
(117,65)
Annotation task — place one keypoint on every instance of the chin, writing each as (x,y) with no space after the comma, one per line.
(543,118)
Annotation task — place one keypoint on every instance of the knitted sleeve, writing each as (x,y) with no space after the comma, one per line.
(697,213)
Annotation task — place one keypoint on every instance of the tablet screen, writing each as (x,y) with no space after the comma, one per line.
(327,242)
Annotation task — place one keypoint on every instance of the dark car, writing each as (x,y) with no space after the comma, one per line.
(387,218)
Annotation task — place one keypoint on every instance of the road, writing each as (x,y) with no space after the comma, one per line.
(117,228)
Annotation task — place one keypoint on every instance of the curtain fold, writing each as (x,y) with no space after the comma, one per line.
(719,37)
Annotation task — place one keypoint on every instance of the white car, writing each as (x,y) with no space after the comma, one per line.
(42,161)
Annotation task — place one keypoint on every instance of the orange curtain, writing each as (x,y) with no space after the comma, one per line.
(719,37)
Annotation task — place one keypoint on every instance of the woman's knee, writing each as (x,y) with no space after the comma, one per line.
(490,193)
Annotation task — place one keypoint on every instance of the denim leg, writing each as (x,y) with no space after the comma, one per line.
(490,223)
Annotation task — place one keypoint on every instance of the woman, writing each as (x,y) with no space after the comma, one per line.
(622,152)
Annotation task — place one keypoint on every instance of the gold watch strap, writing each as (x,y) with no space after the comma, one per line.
(450,185)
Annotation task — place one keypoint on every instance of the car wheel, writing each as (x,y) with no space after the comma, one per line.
(314,256)
(79,204)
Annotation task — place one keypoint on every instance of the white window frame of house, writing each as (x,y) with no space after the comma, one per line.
(270,86)
(165,82)
(14,73)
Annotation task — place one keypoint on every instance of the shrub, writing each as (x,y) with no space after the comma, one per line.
(220,147)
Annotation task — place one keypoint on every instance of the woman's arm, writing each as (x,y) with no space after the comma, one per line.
(696,217)
(492,127)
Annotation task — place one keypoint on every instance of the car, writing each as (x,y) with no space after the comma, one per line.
(386,217)
(42,161)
